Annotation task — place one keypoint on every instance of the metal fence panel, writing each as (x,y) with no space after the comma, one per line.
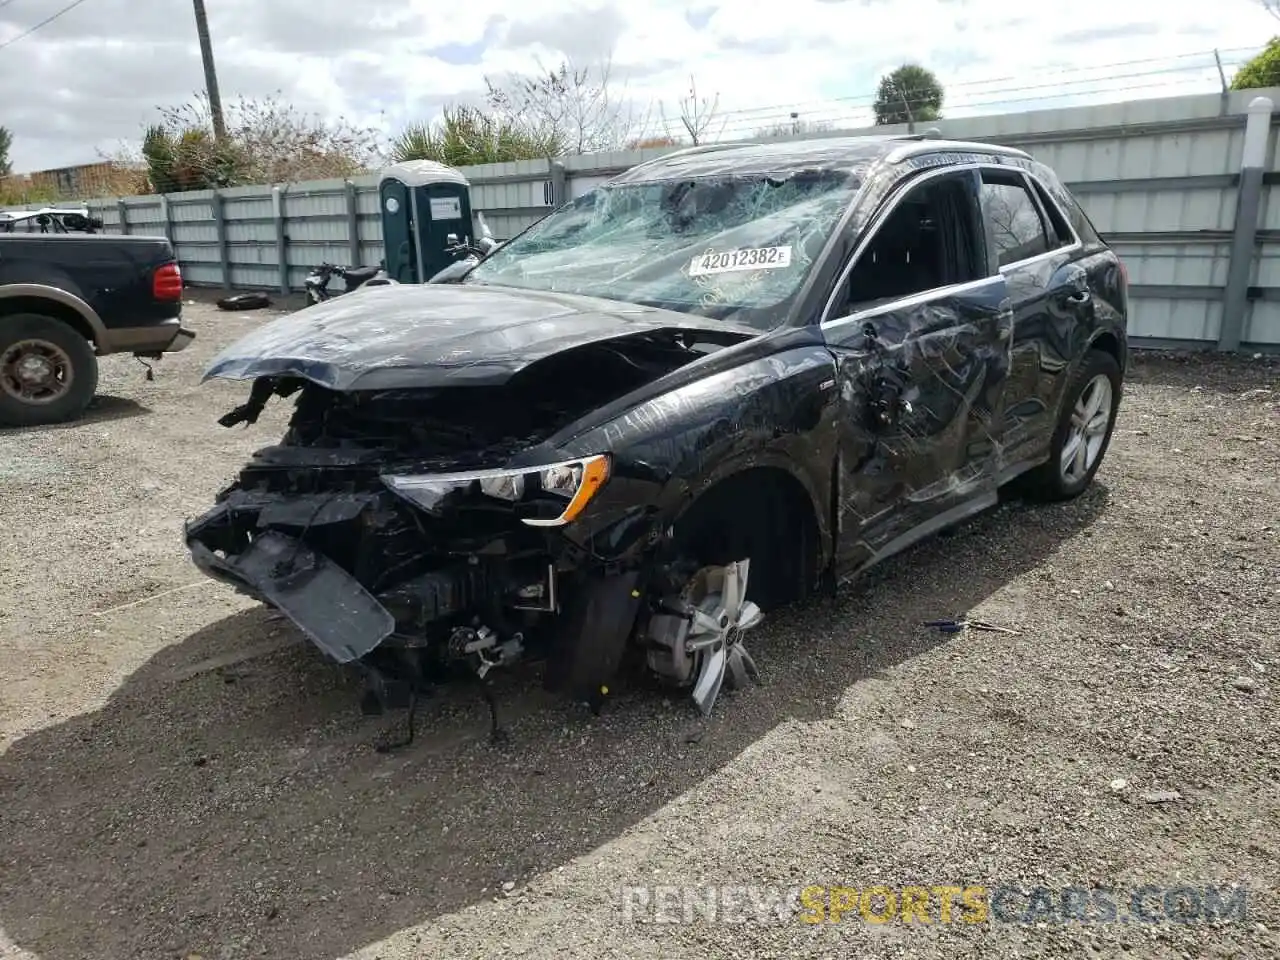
(1160,179)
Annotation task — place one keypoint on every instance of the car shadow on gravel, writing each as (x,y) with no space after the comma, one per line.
(227,799)
(102,409)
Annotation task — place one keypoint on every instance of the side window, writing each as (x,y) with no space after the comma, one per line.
(1013,218)
(1057,213)
(929,240)
(1055,226)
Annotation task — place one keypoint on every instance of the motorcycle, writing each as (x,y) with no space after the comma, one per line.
(469,254)
(317,282)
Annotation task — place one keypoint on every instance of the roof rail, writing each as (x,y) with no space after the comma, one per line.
(924,143)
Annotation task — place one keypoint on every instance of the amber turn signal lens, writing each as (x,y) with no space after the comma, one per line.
(595,471)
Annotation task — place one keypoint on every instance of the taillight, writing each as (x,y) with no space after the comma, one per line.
(1124,273)
(166,282)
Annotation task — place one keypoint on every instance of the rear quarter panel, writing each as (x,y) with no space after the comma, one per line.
(111,274)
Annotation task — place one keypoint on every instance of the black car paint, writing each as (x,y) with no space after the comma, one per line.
(110,274)
(887,428)
(431,336)
(933,445)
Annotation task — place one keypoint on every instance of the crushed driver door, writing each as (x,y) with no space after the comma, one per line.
(921,377)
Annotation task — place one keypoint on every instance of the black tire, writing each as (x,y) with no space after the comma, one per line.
(1049,482)
(82,371)
(245,301)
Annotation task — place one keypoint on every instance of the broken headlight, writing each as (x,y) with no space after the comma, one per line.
(504,486)
(573,483)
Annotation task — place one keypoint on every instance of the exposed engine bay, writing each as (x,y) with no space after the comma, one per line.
(390,528)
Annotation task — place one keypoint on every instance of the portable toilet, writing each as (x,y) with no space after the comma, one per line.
(422,203)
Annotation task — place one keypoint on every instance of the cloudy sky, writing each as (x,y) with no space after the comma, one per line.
(94,76)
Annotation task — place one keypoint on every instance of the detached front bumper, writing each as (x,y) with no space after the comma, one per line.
(325,602)
(351,570)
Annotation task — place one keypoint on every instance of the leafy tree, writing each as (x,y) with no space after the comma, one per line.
(267,141)
(908,93)
(467,135)
(1262,71)
(160,151)
(6,143)
(20,194)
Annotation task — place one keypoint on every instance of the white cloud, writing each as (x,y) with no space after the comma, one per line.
(79,92)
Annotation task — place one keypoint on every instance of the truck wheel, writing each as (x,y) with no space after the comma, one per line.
(48,372)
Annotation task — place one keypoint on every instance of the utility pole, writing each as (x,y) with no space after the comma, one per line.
(911,120)
(210,73)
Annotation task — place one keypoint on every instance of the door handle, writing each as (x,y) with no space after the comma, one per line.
(1080,296)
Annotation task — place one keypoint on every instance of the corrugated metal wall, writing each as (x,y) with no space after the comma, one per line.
(1159,179)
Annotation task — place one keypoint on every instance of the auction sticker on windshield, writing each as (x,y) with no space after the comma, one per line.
(750,258)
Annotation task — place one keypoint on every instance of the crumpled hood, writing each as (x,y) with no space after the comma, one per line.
(431,335)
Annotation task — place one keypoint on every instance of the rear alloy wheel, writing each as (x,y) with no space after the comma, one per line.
(1084,430)
(48,373)
(696,636)
(1089,429)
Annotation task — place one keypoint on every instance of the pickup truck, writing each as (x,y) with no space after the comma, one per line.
(67,299)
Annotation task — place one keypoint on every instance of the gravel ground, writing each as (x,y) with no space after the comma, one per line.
(182,775)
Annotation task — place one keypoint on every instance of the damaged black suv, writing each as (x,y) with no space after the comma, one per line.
(726,378)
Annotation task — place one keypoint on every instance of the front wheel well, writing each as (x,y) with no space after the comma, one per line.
(762,513)
(47,308)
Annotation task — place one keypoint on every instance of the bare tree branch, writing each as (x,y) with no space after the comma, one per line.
(575,109)
(697,114)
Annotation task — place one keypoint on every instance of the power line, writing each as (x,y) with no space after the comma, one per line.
(837,114)
(836,109)
(45,22)
(864,99)
(868,99)
(1110,66)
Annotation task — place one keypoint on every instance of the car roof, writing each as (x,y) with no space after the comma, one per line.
(849,155)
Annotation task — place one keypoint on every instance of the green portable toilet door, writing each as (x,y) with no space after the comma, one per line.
(398,232)
(445,208)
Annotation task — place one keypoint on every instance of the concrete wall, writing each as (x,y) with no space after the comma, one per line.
(1161,180)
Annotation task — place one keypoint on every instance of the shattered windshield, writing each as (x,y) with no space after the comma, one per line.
(731,248)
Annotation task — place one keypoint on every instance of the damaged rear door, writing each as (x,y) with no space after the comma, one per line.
(920,329)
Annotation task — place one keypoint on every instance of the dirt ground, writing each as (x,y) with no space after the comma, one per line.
(183,775)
